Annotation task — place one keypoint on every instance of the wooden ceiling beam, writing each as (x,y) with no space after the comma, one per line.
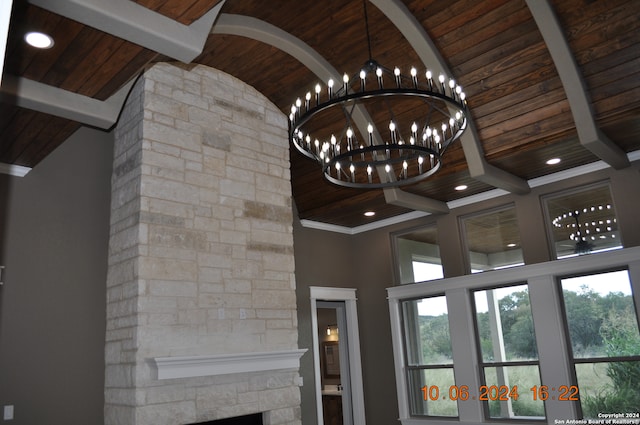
(590,136)
(130,21)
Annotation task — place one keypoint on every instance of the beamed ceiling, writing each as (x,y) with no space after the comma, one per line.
(543,78)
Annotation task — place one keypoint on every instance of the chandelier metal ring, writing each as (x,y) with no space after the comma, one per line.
(371,160)
(395,162)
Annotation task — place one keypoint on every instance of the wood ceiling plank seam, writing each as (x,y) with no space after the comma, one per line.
(7,116)
(574,12)
(553,109)
(70,60)
(11,151)
(89,78)
(480,44)
(131,21)
(595,48)
(496,86)
(601,58)
(546,126)
(514,99)
(64,130)
(134,68)
(530,133)
(610,105)
(31,133)
(520,109)
(197,10)
(536,63)
(617,80)
(574,85)
(151,4)
(510,49)
(483,28)
(176,9)
(458,14)
(607,25)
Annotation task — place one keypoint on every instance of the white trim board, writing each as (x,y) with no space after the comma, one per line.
(469,200)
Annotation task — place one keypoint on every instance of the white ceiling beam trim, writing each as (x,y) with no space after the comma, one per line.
(62,103)
(590,136)
(262,31)
(14,170)
(130,21)
(413,31)
(468,200)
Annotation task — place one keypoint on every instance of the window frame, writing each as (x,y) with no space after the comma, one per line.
(467,260)
(569,344)
(548,225)
(409,368)
(483,365)
(397,260)
(550,334)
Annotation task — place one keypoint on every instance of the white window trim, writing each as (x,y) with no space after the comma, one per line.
(547,315)
(348,295)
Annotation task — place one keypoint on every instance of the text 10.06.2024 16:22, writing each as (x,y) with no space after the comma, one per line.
(500,393)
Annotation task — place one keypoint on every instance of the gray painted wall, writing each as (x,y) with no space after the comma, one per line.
(52,305)
(364,261)
(54,233)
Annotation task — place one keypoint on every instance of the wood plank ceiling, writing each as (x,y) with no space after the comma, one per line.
(528,98)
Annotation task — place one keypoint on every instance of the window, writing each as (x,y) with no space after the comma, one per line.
(417,255)
(508,352)
(429,357)
(582,222)
(492,240)
(605,342)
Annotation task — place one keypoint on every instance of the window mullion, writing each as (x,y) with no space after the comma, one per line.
(551,337)
(634,278)
(465,355)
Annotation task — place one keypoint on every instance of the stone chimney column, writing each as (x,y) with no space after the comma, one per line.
(201,249)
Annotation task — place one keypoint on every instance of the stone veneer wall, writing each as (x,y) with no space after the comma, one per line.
(201,249)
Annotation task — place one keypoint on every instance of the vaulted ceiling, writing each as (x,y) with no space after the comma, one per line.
(544,79)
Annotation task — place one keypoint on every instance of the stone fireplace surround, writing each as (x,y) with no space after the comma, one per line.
(201,306)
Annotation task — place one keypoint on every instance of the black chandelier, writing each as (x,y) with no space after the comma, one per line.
(598,223)
(379,128)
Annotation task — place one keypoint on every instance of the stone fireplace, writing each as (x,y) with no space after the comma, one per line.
(201,306)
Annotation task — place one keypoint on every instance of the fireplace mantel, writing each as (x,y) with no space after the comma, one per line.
(193,366)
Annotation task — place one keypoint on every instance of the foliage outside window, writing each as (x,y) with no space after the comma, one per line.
(492,240)
(508,351)
(582,222)
(429,357)
(418,255)
(605,342)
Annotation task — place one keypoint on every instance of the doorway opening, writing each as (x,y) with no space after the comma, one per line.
(337,364)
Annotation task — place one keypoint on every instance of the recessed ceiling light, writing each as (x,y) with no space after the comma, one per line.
(553,161)
(511,245)
(462,187)
(369,213)
(39,40)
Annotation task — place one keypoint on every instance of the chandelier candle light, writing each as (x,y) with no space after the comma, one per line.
(380,128)
(598,222)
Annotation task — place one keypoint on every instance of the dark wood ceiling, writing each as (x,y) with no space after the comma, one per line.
(500,51)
